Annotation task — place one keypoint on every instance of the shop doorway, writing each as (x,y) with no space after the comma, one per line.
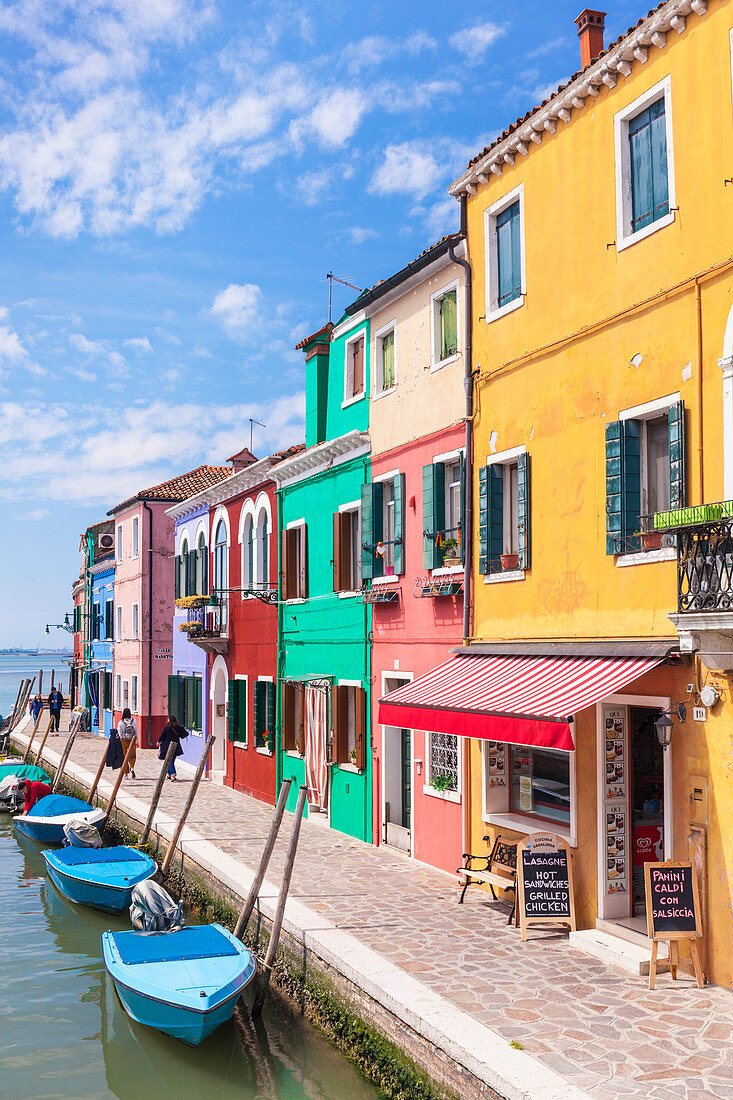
(646,800)
(397,778)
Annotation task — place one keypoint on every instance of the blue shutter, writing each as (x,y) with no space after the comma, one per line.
(371,530)
(631,484)
(523,510)
(496,515)
(399,523)
(660,173)
(483,519)
(649,173)
(614,487)
(509,254)
(676,429)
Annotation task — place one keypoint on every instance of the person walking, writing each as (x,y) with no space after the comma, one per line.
(36,706)
(173,731)
(128,732)
(55,703)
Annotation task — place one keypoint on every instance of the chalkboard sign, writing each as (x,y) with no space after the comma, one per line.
(545,883)
(673,912)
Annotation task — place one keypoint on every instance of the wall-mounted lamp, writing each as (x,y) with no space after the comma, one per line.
(664,723)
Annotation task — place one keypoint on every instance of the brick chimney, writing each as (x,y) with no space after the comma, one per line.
(242,459)
(590,32)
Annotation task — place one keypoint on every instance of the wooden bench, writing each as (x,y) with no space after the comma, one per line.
(500,870)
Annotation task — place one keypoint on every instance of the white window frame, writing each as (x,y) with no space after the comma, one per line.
(390,476)
(349,398)
(135,621)
(624,235)
(650,410)
(133,694)
(262,504)
(354,506)
(435,299)
(119,543)
(444,459)
(493,310)
(260,748)
(118,692)
(445,796)
(378,360)
(505,457)
(521,823)
(247,513)
(293,524)
(135,550)
(118,622)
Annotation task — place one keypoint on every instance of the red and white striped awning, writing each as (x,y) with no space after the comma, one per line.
(519,700)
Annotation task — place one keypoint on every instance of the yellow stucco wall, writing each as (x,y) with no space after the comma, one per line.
(555,371)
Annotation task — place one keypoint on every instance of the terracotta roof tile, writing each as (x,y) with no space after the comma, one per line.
(179,488)
(404,272)
(280,456)
(324,333)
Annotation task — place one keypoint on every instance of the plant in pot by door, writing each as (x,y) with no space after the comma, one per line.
(509,562)
(450,552)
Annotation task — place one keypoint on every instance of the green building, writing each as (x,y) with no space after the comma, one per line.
(324,708)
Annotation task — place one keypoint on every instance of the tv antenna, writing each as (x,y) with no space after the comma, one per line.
(252,428)
(338,279)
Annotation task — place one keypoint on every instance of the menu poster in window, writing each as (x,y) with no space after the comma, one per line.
(497,763)
(614,776)
(673,912)
(545,882)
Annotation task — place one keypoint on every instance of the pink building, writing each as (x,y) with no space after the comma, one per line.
(144,598)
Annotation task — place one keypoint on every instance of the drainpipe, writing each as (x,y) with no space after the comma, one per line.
(468,463)
(149,510)
(468,490)
(698,327)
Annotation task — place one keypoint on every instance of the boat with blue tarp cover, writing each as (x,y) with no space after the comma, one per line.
(100,877)
(46,820)
(183,983)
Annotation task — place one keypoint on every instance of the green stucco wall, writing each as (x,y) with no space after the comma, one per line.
(340,420)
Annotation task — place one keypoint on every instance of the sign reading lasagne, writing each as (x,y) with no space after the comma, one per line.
(545,883)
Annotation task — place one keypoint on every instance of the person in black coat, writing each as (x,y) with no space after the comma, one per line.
(115,752)
(173,731)
(55,703)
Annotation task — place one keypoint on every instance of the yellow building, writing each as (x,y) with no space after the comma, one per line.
(600,238)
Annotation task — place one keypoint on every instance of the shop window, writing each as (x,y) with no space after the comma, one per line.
(354,369)
(443,494)
(294,563)
(443,761)
(539,783)
(293,733)
(349,725)
(504,514)
(346,550)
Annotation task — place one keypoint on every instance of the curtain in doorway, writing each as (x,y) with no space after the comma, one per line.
(316,732)
(94,696)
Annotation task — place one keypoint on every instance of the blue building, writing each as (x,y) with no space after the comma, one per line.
(99,676)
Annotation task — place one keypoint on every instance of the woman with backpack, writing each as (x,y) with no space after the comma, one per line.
(128,732)
(172,733)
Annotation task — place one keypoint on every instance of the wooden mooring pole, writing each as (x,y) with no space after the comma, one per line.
(21,688)
(156,794)
(64,759)
(24,701)
(189,803)
(33,734)
(263,979)
(118,780)
(254,890)
(100,769)
(42,746)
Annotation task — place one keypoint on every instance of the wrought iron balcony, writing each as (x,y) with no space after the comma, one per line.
(207,623)
(648,538)
(705,567)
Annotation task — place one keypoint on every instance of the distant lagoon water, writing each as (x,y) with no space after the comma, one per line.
(15,667)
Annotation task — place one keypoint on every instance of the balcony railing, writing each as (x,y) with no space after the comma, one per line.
(207,620)
(647,538)
(704,536)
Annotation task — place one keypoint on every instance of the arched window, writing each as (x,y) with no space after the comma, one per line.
(248,554)
(183,578)
(220,570)
(202,567)
(262,540)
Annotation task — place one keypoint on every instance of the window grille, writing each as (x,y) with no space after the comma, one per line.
(444,757)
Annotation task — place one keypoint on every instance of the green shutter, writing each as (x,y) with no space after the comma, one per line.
(676,428)
(241,732)
(173,695)
(371,530)
(631,484)
(190,709)
(496,515)
(614,487)
(523,510)
(231,718)
(191,573)
(271,715)
(197,722)
(399,523)
(462,538)
(483,519)
(178,576)
(205,570)
(433,511)
(258,713)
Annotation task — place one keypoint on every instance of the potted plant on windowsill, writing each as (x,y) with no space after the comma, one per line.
(451,557)
(442,783)
(352,757)
(509,562)
(651,540)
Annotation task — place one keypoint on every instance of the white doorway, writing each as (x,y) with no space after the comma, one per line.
(397,772)
(219,686)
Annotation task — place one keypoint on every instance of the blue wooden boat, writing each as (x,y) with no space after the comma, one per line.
(183,983)
(102,878)
(45,822)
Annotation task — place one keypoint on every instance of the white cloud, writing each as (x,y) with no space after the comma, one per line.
(333,120)
(238,308)
(98,349)
(34,514)
(358,234)
(376,50)
(12,351)
(407,168)
(139,343)
(442,217)
(311,187)
(473,42)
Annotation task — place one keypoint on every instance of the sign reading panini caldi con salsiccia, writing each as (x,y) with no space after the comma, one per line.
(673,913)
(545,882)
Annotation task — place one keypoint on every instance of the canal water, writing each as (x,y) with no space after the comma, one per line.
(64,1034)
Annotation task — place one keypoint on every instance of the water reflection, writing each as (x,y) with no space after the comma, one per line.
(65,1034)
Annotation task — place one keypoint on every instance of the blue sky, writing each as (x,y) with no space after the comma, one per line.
(176,178)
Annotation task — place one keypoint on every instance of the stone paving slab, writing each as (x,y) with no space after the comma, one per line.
(599,1029)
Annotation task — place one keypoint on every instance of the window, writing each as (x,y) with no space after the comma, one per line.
(504,235)
(645,471)
(349,725)
(443,760)
(135,536)
(443,495)
(383,527)
(96,621)
(644,165)
(133,694)
(108,701)
(262,545)
(185,700)
(202,567)
(354,372)
(264,715)
(119,542)
(109,614)
(125,694)
(444,307)
(346,549)
(119,624)
(248,557)
(136,620)
(294,563)
(221,571)
(118,692)
(237,711)
(293,716)
(384,372)
(182,566)
(539,783)
(504,514)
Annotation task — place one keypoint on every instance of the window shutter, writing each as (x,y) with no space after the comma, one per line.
(660,174)
(462,536)
(205,570)
(265,578)
(191,702)
(284,566)
(341,724)
(302,533)
(483,519)
(231,721)
(249,579)
(524,516)
(337,550)
(631,483)
(516,254)
(399,523)
(508,254)
(191,571)
(371,530)
(173,695)
(676,428)
(270,715)
(177,579)
(361,729)
(288,719)
(357,351)
(614,487)
(258,712)
(495,514)
(198,716)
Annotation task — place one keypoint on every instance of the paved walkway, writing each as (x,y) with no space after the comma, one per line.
(603,1032)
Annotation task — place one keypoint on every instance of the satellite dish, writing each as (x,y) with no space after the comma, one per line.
(709,695)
